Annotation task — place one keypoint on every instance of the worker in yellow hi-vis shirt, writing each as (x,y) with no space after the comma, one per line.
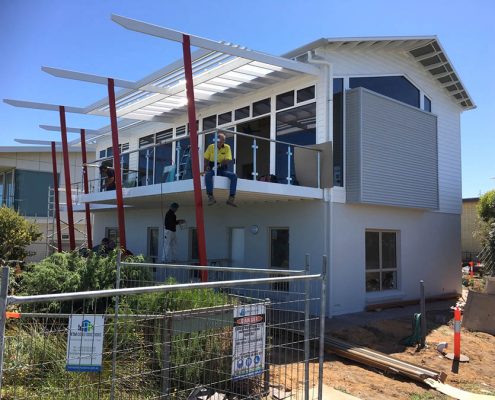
(224,156)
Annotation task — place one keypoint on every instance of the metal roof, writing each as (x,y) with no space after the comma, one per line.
(426,50)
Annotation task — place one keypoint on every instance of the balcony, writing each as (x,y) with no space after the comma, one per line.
(268,170)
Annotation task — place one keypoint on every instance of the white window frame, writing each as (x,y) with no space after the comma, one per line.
(381,270)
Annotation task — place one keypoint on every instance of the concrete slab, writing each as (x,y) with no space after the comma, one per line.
(479,312)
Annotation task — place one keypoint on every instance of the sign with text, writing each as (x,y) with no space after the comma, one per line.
(85,343)
(249,335)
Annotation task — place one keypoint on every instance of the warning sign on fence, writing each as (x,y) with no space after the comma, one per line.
(85,343)
(249,333)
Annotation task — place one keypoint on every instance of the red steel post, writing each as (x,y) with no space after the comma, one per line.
(57,203)
(116,162)
(193,132)
(68,191)
(457,333)
(86,188)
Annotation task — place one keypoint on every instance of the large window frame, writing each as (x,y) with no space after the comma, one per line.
(378,261)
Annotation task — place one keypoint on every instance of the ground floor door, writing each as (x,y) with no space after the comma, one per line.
(237,247)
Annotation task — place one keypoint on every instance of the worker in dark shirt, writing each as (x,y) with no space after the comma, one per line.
(109,174)
(169,235)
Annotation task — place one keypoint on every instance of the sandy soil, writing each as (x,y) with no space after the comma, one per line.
(477,376)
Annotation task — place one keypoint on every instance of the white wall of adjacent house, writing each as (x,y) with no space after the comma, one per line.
(42,162)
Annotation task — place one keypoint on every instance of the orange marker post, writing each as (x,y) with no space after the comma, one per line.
(457,333)
(471,269)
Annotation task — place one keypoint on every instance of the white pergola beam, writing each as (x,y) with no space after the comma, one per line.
(43,106)
(101,80)
(54,128)
(165,33)
(37,142)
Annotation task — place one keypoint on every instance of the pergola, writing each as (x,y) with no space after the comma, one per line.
(215,73)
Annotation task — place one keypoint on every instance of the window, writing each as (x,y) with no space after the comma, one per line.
(381,260)
(241,113)
(30,194)
(285,100)
(295,126)
(209,122)
(145,163)
(395,87)
(338,132)
(279,253)
(225,118)
(426,104)
(306,94)
(261,107)
(153,246)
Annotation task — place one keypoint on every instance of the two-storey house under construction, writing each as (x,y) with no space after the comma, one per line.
(345,147)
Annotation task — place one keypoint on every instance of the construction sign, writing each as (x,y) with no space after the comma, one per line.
(249,336)
(85,343)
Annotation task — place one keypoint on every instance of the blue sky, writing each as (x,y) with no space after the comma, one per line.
(79,35)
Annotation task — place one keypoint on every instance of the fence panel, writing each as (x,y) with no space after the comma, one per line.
(233,339)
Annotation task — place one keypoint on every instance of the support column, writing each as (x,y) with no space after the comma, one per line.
(56,200)
(68,191)
(116,162)
(86,188)
(193,133)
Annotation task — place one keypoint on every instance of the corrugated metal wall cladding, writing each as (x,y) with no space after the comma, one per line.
(353,148)
(398,152)
(380,62)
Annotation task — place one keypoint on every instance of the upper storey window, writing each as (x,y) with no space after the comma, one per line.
(395,87)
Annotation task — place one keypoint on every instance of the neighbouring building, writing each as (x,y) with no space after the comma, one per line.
(26,176)
(343,147)
(470,243)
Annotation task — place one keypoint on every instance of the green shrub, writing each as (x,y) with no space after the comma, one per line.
(486,206)
(16,233)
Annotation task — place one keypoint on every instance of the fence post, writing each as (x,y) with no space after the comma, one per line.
(306,330)
(167,352)
(423,313)
(323,301)
(267,353)
(115,327)
(4,289)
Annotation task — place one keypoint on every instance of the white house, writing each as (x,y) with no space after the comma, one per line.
(343,147)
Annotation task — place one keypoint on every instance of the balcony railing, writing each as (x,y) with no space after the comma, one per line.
(254,158)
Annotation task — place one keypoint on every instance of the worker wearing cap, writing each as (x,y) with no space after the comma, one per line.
(169,235)
(224,156)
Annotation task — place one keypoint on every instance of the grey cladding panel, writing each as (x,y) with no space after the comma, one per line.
(353,148)
(397,157)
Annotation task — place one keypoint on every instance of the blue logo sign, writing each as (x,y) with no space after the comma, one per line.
(243,312)
(86,326)
(249,361)
(240,362)
(257,359)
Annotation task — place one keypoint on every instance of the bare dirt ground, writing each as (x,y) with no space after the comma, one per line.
(384,334)
(477,376)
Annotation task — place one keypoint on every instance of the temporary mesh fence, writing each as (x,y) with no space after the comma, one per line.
(231,339)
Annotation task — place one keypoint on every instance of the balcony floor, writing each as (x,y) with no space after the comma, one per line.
(248,191)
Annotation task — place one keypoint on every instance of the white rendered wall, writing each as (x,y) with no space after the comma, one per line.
(428,248)
(303,218)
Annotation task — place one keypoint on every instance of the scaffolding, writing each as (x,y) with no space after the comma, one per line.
(51,230)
